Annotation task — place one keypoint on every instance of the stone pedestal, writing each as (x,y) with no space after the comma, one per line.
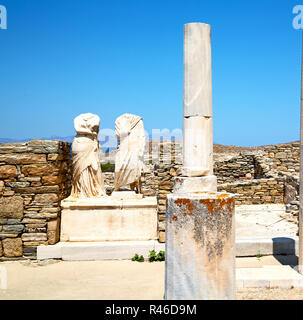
(125,216)
(200,251)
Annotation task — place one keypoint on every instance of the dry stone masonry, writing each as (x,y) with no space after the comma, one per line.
(255,177)
(34,178)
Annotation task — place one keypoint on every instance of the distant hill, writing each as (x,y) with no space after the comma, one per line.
(65,139)
(9,140)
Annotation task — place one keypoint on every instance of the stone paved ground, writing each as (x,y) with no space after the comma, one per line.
(263,220)
(115,280)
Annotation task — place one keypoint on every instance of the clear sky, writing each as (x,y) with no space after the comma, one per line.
(60,58)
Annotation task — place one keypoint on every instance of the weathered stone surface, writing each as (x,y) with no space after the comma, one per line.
(46,146)
(46,198)
(4,235)
(53,231)
(17,184)
(13,147)
(35,230)
(30,220)
(39,169)
(11,221)
(31,179)
(1,250)
(8,193)
(200,246)
(36,168)
(13,228)
(50,216)
(52,179)
(34,237)
(43,189)
(30,251)
(8,171)
(55,157)
(36,146)
(104,219)
(11,207)
(22,158)
(34,215)
(12,247)
(50,210)
(34,243)
(195,184)
(161,236)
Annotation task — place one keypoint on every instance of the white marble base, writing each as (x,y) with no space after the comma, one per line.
(200,246)
(125,195)
(195,184)
(109,219)
(107,250)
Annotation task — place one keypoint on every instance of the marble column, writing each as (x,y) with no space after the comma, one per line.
(200,222)
(197,111)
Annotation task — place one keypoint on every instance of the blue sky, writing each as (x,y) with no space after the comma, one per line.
(60,58)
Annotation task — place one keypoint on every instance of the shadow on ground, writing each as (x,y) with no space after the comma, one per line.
(284,250)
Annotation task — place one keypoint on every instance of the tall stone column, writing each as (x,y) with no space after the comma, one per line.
(200,222)
(197,112)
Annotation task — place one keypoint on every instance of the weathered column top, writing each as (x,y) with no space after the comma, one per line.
(197,86)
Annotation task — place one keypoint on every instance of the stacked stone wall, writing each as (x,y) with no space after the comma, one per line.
(239,167)
(34,178)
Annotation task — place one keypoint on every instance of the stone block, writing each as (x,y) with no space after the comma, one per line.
(200,246)
(22,158)
(161,236)
(17,184)
(107,250)
(52,179)
(195,184)
(42,189)
(46,198)
(13,228)
(106,219)
(8,171)
(11,207)
(12,247)
(30,252)
(34,237)
(55,157)
(48,146)
(53,231)
(1,249)
(39,169)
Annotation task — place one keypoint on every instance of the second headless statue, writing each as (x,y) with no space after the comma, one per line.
(129,162)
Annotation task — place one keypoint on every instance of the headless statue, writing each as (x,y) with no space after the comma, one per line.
(129,162)
(87,175)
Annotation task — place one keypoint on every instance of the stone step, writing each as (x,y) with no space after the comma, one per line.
(119,250)
(269,277)
(107,250)
(254,246)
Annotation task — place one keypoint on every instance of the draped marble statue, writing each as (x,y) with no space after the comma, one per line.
(87,176)
(129,158)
